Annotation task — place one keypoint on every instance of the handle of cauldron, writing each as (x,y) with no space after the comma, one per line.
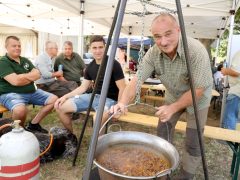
(111,116)
(165,172)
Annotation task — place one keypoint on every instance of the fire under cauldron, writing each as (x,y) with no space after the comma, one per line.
(130,138)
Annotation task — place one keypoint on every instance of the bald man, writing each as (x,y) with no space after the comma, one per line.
(167,59)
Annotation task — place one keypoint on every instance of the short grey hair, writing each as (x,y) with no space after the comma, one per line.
(165,14)
(69,43)
(50,44)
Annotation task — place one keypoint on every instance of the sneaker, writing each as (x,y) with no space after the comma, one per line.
(73,138)
(35,128)
(75,116)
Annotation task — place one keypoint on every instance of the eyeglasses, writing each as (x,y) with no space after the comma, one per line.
(53,48)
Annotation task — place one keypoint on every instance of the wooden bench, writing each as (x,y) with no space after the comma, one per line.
(232,137)
(2,110)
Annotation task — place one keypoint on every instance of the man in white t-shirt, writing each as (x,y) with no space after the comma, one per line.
(233,98)
(218,76)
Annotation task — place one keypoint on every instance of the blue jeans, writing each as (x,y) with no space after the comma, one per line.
(81,102)
(11,100)
(232,106)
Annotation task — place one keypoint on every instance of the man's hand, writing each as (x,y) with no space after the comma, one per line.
(59,102)
(224,71)
(58,74)
(165,112)
(118,110)
(61,78)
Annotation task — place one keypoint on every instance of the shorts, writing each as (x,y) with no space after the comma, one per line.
(11,100)
(81,102)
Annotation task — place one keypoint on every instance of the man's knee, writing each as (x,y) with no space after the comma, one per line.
(20,110)
(66,107)
(19,113)
(192,142)
(52,99)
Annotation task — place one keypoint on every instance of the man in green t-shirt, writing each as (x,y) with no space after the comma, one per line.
(73,65)
(17,76)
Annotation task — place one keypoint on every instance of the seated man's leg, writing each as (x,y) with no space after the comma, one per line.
(44,99)
(20,113)
(75,104)
(16,103)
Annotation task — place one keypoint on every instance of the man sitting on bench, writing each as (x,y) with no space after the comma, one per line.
(76,101)
(17,76)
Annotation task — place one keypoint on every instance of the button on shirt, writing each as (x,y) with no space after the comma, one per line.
(174,74)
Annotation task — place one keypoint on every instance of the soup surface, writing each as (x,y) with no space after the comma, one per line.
(133,160)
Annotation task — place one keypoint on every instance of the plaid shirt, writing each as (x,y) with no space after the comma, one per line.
(174,74)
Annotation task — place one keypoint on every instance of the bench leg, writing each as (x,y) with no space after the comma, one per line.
(235,175)
(236,160)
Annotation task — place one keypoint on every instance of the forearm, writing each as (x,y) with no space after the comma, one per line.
(21,80)
(186,100)
(231,72)
(129,92)
(77,91)
(33,75)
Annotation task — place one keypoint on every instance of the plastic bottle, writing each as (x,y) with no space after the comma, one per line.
(60,67)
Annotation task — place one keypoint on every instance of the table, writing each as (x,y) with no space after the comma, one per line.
(161,87)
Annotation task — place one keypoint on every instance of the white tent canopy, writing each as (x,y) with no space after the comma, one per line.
(203,19)
(43,17)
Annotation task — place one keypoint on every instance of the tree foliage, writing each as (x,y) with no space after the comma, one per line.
(224,39)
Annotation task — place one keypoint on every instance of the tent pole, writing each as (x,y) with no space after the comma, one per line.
(217,49)
(228,60)
(81,26)
(192,86)
(128,46)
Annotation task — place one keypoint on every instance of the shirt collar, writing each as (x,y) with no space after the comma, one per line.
(72,56)
(48,56)
(12,59)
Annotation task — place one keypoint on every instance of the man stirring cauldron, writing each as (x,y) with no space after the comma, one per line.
(167,59)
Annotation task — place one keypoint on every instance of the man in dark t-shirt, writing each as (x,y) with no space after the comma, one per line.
(77,101)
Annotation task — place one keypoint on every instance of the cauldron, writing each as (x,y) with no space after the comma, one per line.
(138,138)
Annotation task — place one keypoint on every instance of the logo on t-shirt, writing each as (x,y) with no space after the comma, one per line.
(26,66)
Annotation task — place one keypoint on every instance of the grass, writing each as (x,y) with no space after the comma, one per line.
(218,156)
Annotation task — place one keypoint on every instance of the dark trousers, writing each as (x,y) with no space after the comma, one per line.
(59,88)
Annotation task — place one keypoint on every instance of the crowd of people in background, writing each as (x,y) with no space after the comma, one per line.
(53,79)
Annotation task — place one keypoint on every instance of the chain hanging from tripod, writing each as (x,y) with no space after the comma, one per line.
(158,6)
(141,51)
(140,14)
